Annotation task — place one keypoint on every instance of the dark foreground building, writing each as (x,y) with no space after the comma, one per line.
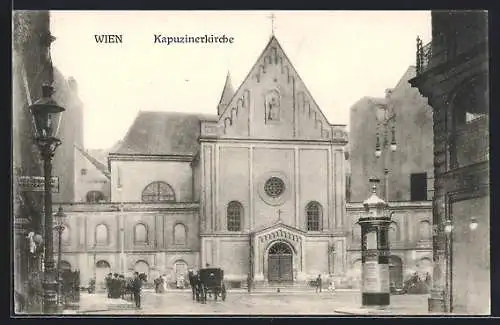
(452,72)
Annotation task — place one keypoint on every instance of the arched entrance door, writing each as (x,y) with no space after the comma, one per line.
(396,271)
(102,269)
(280,266)
(142,267)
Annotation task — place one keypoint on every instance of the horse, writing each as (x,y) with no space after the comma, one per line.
(197,288)
(193,283)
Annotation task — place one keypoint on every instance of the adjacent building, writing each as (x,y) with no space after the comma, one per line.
(404,118)
(31,67)
(452,73)
(257,189)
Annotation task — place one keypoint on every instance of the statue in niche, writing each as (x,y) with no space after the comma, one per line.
(273,106)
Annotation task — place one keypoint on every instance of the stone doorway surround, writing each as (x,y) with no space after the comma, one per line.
(263,239)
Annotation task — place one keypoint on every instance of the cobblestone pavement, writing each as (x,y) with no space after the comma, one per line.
(270,303)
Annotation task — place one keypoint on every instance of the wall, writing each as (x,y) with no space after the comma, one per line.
(160,251)
(136,175)
(238,171)
(93,180)
(70,133)
(471,257)
(413,135)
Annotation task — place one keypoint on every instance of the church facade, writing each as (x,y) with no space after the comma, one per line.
(257,190)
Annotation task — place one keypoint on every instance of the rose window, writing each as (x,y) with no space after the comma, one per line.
(274,187)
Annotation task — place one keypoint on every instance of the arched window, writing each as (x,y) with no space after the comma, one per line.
(181,268)
(393,232)
(158,192)
(140,234)
(180,234)
(424,230)
(65,265)
(314,213)
(234,215)
(95,197)
(142,267)
(101,234)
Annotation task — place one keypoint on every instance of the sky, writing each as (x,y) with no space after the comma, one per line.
(341,56)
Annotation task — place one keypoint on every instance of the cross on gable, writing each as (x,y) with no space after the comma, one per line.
(272,16)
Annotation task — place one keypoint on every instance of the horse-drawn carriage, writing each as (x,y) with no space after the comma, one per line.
(210,281)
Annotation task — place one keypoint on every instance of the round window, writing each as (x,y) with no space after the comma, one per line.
(274,187)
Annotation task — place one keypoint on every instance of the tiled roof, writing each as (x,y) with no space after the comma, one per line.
(94,161)
(163,133)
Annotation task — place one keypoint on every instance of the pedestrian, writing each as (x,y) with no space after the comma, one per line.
(115,286)
(249,283)
(192,283)
(318,283)
(108,283)
(331,287)
(164,282)
(136,287)
(123,284)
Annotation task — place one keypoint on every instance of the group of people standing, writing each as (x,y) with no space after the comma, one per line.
(319,284)
(117,286)
(160,284)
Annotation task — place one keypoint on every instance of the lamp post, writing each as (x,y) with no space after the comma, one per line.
(95,266)
(385,144)
(46,113)
(59,227)
(375,250)
(122,227)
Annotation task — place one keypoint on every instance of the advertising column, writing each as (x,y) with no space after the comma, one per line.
(375,252)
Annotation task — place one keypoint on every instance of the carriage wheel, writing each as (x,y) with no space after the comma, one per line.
(216,293)
(223,292)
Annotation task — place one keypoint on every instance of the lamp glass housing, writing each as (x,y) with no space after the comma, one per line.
(473,224)
(394,147)
(46,114)
(378,153)
(448,227)
(60,216)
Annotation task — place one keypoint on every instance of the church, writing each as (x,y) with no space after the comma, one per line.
(257,189)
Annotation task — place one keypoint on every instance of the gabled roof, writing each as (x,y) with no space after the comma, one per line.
(273,42)
(163,133)
(277,225)
(226,96)
(94,161)
(410,73)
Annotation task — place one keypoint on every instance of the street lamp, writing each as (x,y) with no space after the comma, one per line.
(46,116)
(384,145)
(59,227)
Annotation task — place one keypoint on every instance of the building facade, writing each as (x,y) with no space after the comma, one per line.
(405,117)
(452,72)
(30,69)
(258,189)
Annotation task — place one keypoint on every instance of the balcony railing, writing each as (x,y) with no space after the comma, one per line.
(424,55)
